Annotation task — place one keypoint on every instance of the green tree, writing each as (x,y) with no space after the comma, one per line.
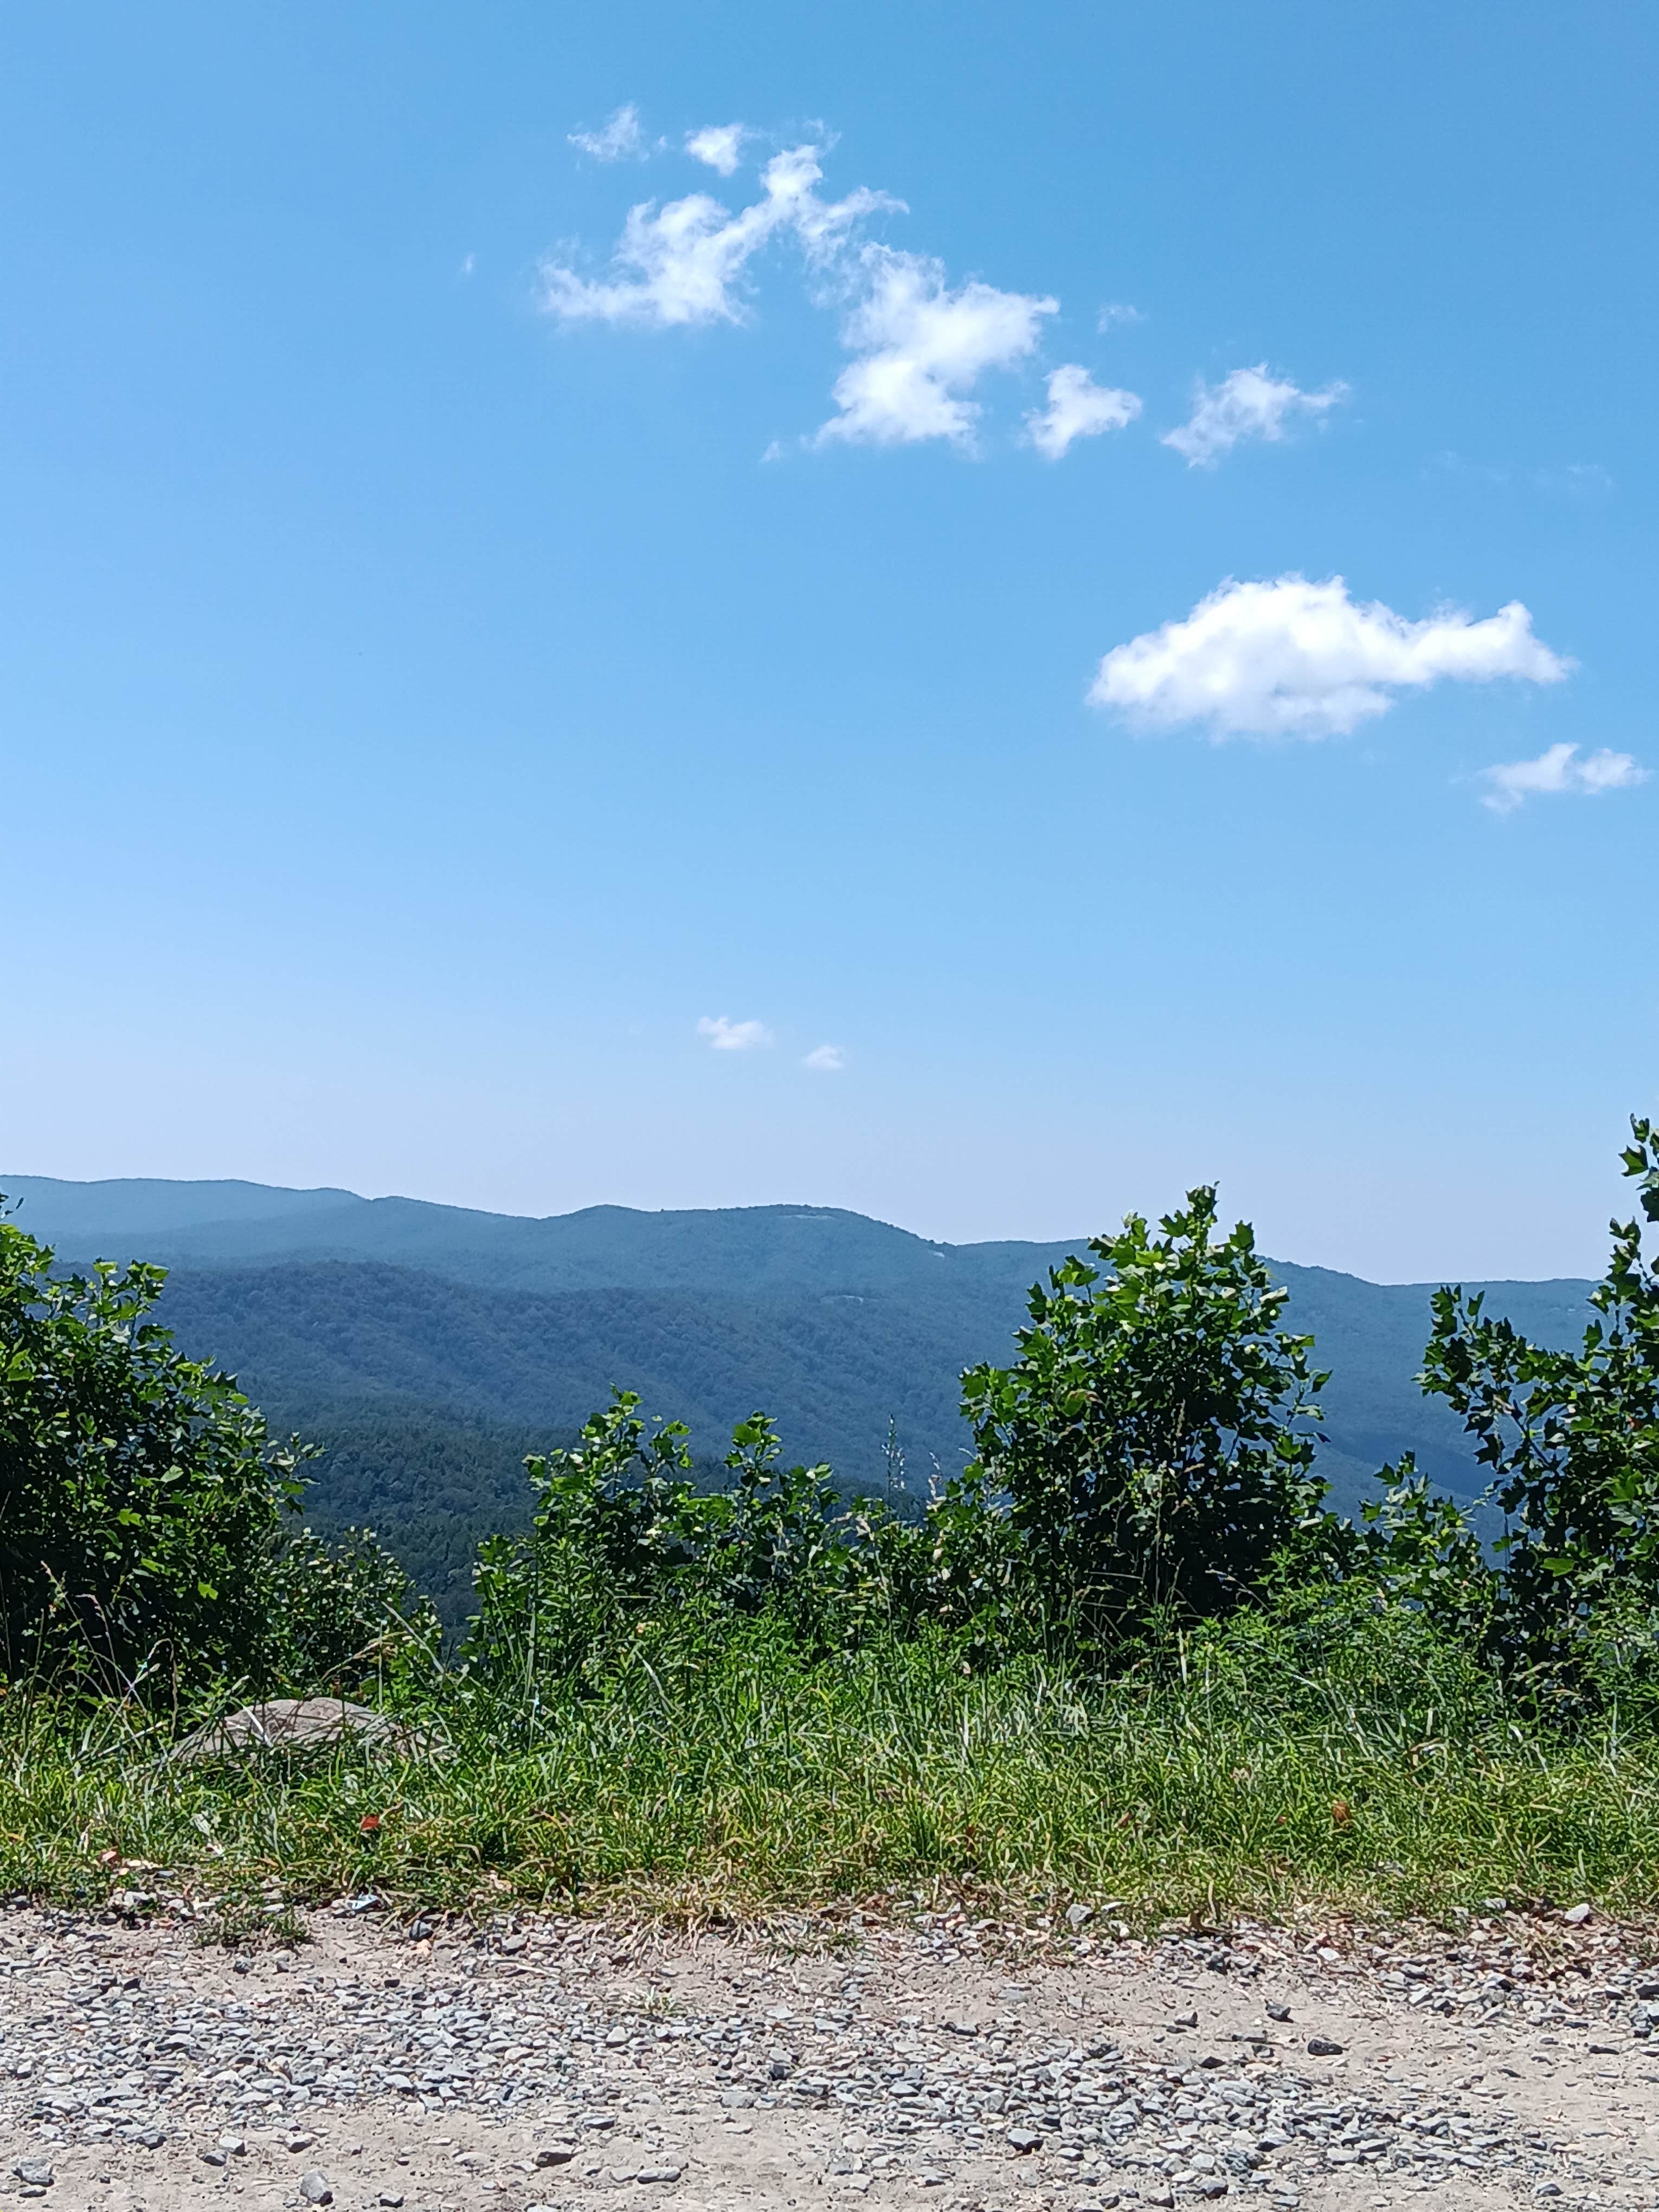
(143,1503)
(1154,1438)
(140,1494)
(1572,1441)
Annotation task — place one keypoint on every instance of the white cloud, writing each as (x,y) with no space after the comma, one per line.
(1558,769)
(1078,408)
(1115,311)
(620,140)
(684,263)
(726,1036)
(921,347)
(827,1059)
(1291,659)
(1249,403)
(718,144)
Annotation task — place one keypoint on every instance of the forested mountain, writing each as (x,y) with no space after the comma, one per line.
(429,1347)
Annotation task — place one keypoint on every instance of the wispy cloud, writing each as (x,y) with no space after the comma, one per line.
(717,144)
(1115,311)
(621,139)
(684,263)
(1078,408)
(1293,659)
(921,348)
(1249,403)
(1559,772)
(726,1036)
(826,1058)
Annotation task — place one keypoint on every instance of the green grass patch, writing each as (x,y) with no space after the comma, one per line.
(1252,1773)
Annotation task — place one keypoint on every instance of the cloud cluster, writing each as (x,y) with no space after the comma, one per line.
(826,1060)
(1559,771)
(1294,659)
(1078,408)
(1249,403)
(921,345)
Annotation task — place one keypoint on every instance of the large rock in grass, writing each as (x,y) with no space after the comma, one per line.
(296,1725)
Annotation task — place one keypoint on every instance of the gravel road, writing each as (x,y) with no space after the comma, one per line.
(568,2064)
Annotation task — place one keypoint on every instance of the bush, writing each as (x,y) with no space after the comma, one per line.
(1572,1439)
(141,1502)
(1154,1439)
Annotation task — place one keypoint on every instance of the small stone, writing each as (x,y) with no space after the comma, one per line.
(1322,2046)
(1494,1904)
(298,2142)
(313,2187)
(737,2101)
(657,2173)
(150,2138)
(1577,1915)
(937,2180)
(1185,2020)
(232,2146)
(598,2120)
(392,2198)
(1023,2140)
(1079,1914)
(213,2158)
(555,2154)
(514,1944)
(35,2172)
(1278,2011)
(1546,2189)
(615,2041)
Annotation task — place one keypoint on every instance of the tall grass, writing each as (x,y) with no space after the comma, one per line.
(1360,1765)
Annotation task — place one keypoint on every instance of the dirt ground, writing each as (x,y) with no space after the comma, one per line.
(568,2064)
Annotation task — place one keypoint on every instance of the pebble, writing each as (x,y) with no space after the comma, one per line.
(543,2032)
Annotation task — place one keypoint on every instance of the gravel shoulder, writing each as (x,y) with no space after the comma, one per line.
(564,2063)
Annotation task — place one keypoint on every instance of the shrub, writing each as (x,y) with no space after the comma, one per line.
(142,1500)
(1572,1440)
(1154,1438)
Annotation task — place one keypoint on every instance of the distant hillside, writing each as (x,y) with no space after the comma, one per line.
(431,1347)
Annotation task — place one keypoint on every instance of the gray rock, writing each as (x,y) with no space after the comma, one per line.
(35,2172)
(657,2173)
(392,2198)
(1322,2046)
(294,1724)
(1023,2139)
(315,2188)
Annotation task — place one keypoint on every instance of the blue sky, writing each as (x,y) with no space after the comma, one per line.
(471,729)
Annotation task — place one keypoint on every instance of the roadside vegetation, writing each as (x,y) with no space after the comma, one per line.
(1126,1659)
